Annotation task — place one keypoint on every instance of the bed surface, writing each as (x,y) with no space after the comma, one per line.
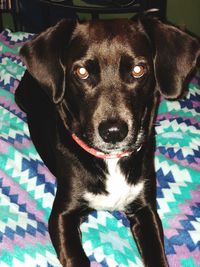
(27,188)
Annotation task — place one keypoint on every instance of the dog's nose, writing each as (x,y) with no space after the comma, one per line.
(113,131)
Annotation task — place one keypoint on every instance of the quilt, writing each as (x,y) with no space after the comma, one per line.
(27,188)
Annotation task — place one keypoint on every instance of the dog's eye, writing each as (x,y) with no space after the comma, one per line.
(138,71)
(82,73)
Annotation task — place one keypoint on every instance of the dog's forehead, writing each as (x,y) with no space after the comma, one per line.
(103,28)
(113,35)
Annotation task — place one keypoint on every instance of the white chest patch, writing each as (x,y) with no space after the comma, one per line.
(120,193)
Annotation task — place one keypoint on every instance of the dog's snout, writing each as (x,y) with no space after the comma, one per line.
(113,131)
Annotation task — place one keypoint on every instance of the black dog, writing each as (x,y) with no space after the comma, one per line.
(90,93)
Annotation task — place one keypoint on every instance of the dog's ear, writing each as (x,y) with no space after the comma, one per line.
(43,58)
(175,56)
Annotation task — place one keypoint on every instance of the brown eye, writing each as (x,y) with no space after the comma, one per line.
(82,73)
(138,71)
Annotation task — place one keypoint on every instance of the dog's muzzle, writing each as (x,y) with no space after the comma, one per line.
(111,132)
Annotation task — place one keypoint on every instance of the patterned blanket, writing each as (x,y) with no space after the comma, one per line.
(27,188)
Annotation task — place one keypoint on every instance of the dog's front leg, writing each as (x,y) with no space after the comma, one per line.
(66,237)
(147,231)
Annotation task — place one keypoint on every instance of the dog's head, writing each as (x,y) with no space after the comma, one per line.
(104,76)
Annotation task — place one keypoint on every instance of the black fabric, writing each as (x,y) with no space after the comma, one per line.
(36,16)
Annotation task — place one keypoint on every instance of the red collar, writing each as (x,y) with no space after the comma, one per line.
(97,153)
